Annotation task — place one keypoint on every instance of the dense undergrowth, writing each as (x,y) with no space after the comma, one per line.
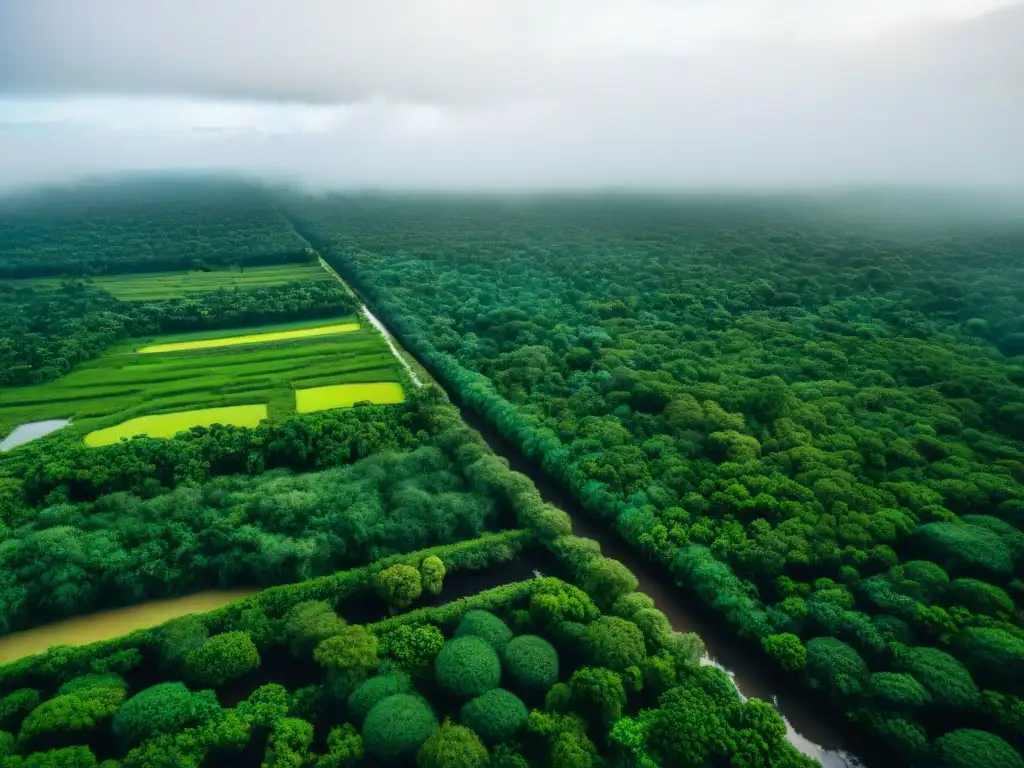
(817,427)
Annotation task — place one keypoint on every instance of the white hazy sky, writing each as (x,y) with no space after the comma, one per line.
(517,93)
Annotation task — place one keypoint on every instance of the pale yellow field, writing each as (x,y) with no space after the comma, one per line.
(346,395)
(106,625)
(254,338)
(170,424)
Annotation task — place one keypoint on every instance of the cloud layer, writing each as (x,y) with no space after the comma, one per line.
(518,92)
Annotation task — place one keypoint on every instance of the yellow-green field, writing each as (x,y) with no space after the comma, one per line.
(170,424)
(252,338)
(123,384)
(347,395)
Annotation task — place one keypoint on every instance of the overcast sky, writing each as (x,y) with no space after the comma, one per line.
(517,93)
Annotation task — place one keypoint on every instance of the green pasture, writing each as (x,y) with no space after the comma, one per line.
(157,286)
(123,384)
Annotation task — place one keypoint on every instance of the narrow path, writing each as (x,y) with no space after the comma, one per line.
(372,320)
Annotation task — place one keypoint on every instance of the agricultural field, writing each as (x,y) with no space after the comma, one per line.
(177,285)
(156,384)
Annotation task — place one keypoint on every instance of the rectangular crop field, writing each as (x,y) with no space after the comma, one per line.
(175,285)
(170,424)
(250,338)
(346,395)
(123,384)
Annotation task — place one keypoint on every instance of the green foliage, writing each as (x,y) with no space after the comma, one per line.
(487,627)
(14,706)
(432,574)
(970,748)
(348,657)
(374,690)
(344,748)
(531,662)
(72,713)
(981,597)
(163,708)
(607,580)
(835,666)
(898,692)
(496,716)
(787,650)
(966,549)
(467,667)
(222,658)
(597,694)
(566,739)
(615,643)
(629,605)
(308,624)
(289,743)
(400,585)
(265,705)
(655,627)
(946,679)
(412,648)
(995,656)
(452,746)
(397,726)
(67,757)
(688,729)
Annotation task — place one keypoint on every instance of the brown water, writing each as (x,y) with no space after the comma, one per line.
(112,623)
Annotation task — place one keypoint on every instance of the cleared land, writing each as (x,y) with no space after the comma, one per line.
(123,384)
(175,285)
(252,338)
(347,395)
(170,424)
(159,286)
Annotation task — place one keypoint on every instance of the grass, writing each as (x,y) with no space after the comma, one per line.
(175,285)
(122,384)
(252,338)
(170,424)
(347,395)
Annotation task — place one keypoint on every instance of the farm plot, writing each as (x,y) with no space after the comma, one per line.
(175,285)
(124,383)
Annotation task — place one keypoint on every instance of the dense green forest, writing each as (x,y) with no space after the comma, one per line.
(141,225)
(808,413)
(816,423)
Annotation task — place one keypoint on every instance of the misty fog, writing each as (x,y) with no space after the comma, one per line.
(511,95)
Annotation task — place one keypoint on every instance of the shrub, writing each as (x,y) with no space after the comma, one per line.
(397,726)
(221,658)
(432,574)
(615,643)
(980,597)
(835,666)
(15,705)
(344,748)
(946,679)
(453,746)
(996,656)
(180,637)
(968,748)
(467,667)
(412,648)
(308,624)
(163,708)
(374,690)
(495,716)
(487,627)
(628,605)
(72,712)
(349,657)
(532,662)
(400,585)
(787,650)
(597,694)
(654,626)
(607,580)
(966,549)
(898,691)
(90,682)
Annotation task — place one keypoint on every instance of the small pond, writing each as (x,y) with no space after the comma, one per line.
(26,433)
